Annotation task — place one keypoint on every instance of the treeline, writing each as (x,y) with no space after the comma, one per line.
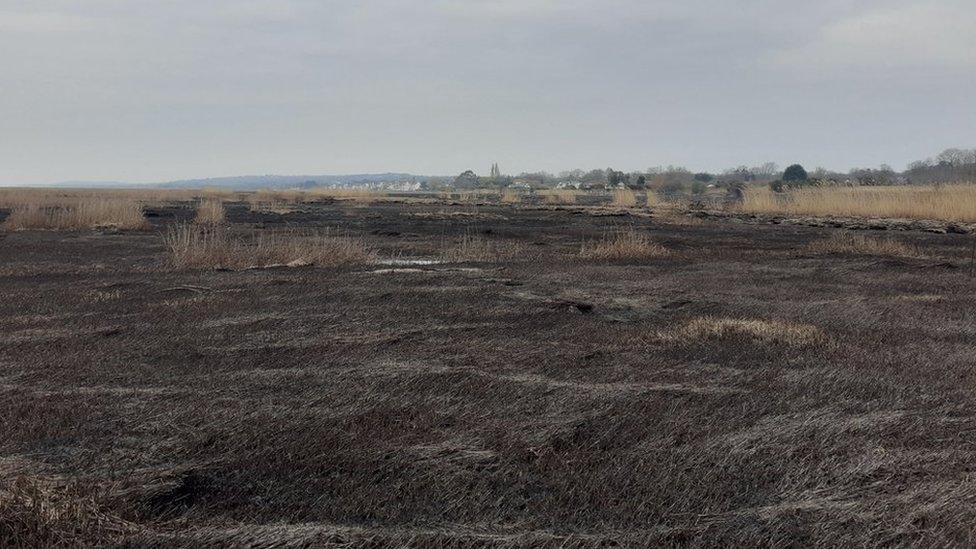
(662,179)
(950,166)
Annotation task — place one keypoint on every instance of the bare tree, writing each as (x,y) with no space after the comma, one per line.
(957,157)
(768,170)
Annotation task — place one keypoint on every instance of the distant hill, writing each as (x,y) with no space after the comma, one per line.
(250,182)
(246,182)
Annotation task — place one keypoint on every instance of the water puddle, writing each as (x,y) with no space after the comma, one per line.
(408,262)
(390,271)
(417,265)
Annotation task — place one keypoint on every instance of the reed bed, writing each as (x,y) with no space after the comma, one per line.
(936,202)
(78,215)
(14,197)
(623,198)
(511,197)
(213,246)
(476,196)
(651,199)
(559,197)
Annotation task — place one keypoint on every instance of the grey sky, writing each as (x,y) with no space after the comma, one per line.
(148,91)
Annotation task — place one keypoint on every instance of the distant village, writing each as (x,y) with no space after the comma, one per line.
(951,165)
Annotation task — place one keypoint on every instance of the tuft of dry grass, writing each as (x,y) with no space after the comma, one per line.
(475,196)
(936,202)
(736,329)
(850,243)
(559,196)
(624,246)
(623,198)
(256,204)
(212,246)
(210,211)
(651,199)
(477,248)
(511,197)
(82,214)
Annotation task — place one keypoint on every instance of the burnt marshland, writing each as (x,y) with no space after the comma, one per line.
(440,372)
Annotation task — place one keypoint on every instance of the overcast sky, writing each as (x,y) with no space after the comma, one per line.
(149,90)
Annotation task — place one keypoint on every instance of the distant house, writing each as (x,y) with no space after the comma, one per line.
(521,185)
(569,184)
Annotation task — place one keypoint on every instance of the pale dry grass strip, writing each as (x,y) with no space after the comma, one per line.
(270,201)
(218,193)
(212,246)
(476,196)
(651,199)
(559,197)
(359,196)
(623,198)
(933,202)
(290,196)
(210,211)
(850,243)
(511,197)
(774,332)
(13,197)
(77,215)
(273,206)
(624,246)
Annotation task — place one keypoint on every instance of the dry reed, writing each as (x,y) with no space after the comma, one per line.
(651,199)
(730,329)
(271,201)
(624,246)
(210,211)
(476,196)
(511,197)
(473,247)
(623,198)
(194,247)
(13,197)
(937,202)
(80,214)
(559,196)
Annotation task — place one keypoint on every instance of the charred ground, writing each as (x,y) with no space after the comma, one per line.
(742,390)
